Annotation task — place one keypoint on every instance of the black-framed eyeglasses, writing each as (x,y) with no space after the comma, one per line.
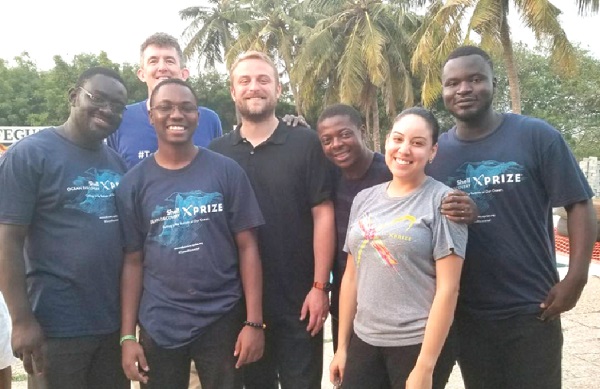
(101,102)
(168,108)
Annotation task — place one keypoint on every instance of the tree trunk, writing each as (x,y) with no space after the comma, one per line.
(511,66)
(375,116)
(368,132)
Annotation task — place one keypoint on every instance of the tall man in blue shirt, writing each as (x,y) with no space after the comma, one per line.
(516,168)
(135,139)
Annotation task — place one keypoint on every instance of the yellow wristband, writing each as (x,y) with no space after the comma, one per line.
(127,337)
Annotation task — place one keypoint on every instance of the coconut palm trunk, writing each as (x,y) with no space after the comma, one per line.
(511,66)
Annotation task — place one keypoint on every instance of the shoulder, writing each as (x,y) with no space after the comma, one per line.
(523,123)
(222,143)
(45,139)
(208,113)
(369,193)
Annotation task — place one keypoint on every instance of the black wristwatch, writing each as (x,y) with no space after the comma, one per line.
(325,287)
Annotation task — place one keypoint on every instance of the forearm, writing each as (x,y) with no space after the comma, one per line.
(347,305)
(251,275)
(12,273)
(441,314)
(582,224)
(323,240)
(131,291)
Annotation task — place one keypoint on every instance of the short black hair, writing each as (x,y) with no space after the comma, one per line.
(341,110)
(427,115)
(96,70)
(169,81)
(464,51)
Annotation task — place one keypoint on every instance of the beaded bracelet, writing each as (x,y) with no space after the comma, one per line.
(127,337)
(261,326)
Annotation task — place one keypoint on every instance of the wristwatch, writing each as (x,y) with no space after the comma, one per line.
(325,287)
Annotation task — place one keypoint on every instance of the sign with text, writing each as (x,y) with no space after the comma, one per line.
(10,135)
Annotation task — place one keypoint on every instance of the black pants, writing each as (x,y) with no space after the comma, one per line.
(292,357)
(521,352)
(212,353)
(86,362)
(389,367)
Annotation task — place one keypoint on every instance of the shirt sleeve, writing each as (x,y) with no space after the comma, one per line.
(448,237)
(562,177)
(318,174)
(20,175)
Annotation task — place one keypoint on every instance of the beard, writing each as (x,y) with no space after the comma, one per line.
(257,114)
(472,116)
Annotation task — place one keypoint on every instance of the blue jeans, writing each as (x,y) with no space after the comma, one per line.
(520,352)
(292,357)
(375,367)
(212,353)
(87,362)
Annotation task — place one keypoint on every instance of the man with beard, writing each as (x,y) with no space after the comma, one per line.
(286,169)
(516,168)
(60,251)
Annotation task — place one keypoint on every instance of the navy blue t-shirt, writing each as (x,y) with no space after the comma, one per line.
(73,251)
(515,175)
(185,223)
(135,139)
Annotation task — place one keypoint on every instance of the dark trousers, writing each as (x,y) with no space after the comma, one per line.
(521,352)
(292,357)
(375,367)
(87,362)
(212,353)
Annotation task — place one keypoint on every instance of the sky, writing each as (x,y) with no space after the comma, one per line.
(68,27)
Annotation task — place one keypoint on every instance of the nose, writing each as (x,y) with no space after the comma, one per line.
(176,112)
(336,142)
(464,87)
(404,148)
(162,64)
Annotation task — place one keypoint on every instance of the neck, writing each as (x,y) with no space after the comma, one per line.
(70,131)
(401,187)
(479,127)
(360,167)
(258,132)
(175,157)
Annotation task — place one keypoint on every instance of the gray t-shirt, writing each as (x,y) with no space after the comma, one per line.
(395,242)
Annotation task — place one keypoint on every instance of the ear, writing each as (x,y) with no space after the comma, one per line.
(494,82)
(278,90)
(434,150)
(151,118)
(140,75)
(232,93)
(185,74)
(72,96)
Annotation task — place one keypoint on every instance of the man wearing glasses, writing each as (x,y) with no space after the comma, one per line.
(60,260)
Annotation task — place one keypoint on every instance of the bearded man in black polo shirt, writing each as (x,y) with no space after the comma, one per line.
(285,168)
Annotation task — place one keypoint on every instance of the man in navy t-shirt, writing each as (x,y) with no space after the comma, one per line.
(188,216)
(60,251)
(516,168)
(160,58)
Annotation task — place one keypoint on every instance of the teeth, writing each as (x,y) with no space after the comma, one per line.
(175,128)
(402,162)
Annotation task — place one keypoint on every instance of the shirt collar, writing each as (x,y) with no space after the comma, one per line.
(278,137)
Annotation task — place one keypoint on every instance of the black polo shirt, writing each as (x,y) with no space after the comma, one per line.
(289,175)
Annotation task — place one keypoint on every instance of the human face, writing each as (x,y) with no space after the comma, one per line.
(341,141)
(174,114)
(255,90)
(159,63)
(468,88)
(98,107)
(409,147)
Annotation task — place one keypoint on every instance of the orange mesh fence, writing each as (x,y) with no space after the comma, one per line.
(562,246)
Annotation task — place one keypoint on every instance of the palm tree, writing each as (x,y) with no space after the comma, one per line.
(442,32)
(588,6)
(358,53)
(211,30)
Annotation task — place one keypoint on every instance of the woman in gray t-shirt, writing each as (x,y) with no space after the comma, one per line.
(401,283)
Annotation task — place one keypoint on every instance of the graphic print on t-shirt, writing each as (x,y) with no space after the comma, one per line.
(181,219)
(486,179)
(95,194)
(372,237)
